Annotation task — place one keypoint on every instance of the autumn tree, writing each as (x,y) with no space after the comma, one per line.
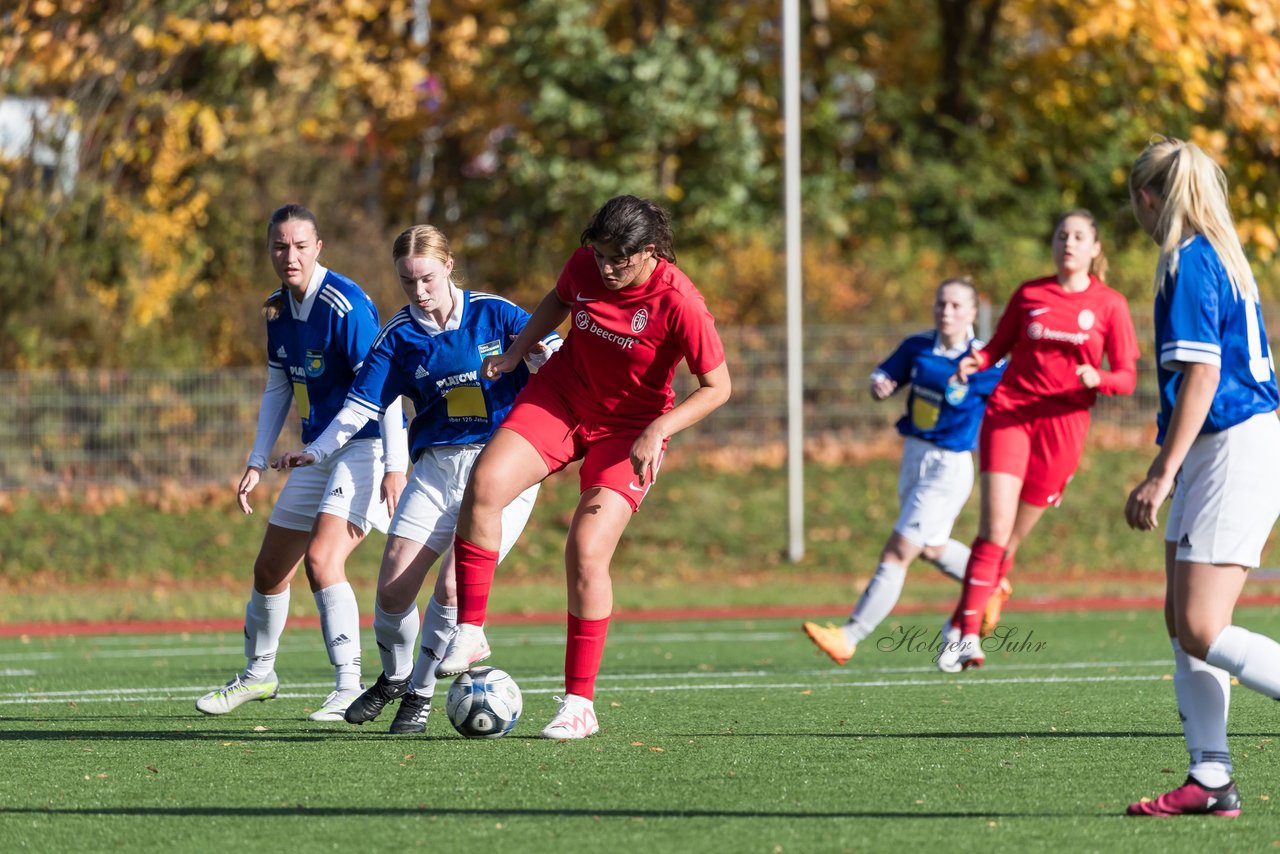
(197,119)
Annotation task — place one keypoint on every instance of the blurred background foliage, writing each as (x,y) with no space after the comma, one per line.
(940,136)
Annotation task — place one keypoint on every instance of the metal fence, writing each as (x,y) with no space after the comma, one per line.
(141,427)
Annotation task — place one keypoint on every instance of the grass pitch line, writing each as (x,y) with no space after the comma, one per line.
(692,682)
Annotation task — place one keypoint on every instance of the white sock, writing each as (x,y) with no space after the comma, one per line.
(953,560)
(264,619)
(437,629)
(1204,697)
(396,634)
(1252,658)
(340,625)
(877,600)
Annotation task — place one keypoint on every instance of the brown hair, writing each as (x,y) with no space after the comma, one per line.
(632,223)
(963,281)
(1098,266)
(272,308)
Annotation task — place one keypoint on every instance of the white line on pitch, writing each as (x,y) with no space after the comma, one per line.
(186,693)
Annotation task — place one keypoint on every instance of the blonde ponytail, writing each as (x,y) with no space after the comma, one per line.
(1194,191)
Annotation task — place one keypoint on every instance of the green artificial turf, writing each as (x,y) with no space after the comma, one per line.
(731,736)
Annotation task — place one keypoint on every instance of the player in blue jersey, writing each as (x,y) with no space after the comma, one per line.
(430,352)
(319,327)
(1218,437)
(936,475)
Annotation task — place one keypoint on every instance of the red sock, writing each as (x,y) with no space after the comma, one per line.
(980,579)
(1005,566)
(582,654)
(475,569)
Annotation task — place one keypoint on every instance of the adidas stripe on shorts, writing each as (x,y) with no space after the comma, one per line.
(346,484)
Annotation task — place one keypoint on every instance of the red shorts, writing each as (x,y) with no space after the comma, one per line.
(546,420)
(1043,450)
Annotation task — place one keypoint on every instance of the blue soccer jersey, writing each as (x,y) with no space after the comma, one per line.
(946,415)
(439,370)
(1200,318)
(321,347)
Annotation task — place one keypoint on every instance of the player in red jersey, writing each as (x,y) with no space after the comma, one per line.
(606,399)
(1056,331)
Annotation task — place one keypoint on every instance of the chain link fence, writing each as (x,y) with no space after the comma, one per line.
(142,428)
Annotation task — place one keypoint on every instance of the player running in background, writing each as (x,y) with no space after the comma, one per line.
(430,352)
(605,399)
(1218,438)
(1056,331)
(319,327)
(936,475)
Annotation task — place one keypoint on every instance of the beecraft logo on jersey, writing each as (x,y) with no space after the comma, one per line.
(314,363)
(491,348)
(1038,331)
(639,320)
(584,322)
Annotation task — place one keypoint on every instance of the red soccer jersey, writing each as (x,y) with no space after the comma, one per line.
(623,346)
(1048,332)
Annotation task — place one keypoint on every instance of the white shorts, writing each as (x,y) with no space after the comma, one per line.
(1227,496)
(933,485)
(347,484)
(428,509)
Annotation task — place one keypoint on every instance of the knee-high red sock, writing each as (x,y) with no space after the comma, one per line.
(583,652)
(980,578)
(1005,566)
(475,569)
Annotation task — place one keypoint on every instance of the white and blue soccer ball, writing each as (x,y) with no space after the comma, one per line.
(484,702)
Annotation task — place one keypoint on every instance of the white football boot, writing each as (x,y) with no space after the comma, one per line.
(467,647)
(237,692)
(576,719)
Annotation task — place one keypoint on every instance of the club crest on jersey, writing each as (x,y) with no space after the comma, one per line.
(582,320)
(1085,319)
(956,392)
(490,348)
(639,320)
(314,363)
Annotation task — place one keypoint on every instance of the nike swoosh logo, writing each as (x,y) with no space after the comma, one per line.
(581,298)
(637,488)
(1036,312)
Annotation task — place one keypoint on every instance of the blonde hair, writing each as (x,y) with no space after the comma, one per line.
(1098,264)
(422,241)
(1194,190)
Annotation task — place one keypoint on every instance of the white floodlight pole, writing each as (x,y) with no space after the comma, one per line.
(795,348)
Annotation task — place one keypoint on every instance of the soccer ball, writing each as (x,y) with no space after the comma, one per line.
(484,702)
